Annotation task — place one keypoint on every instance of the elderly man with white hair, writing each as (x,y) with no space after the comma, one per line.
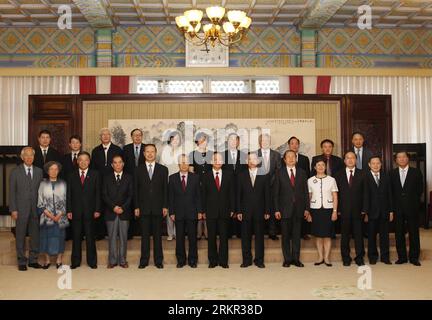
(23,197)
(101,159)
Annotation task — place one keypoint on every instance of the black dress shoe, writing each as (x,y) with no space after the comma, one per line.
(35,265)
(22,267)
(386,261)
(193,265)
(318,263)
(360,263)
(58,265)
(416,263)
(346,264)
(225,266)
(245,265)
(46,266)
(212,265)
(93,267)
(274,237)
(180,265)
(159,266)
(401,261)
(260,265)
(286,264)
(142,266)
(74,266)
(298,264)
(328,264)
(373,261)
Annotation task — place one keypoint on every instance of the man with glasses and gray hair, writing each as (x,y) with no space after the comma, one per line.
(23,197)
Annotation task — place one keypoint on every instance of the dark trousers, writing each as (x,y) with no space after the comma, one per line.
(189,227)
(407,222)
(291,233)
(248,226)
(134,228)
(350,226)
(215,226)
(77,230)
(234,228)
(305,227)
(27,222)
(151,225)
(381,226)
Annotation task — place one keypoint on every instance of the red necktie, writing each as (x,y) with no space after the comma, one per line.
(74,160)
(183,183)
(292,178)
(350,178)
(82,177)
(217,181)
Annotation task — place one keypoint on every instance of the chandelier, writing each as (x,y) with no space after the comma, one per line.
(226,31)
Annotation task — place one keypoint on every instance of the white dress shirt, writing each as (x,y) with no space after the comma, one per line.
(219,174)
(85,172)
(376,176)
(253,173)
(348,172)
(403,174)
(152,164)
(266,156)
(73,153)
(321,191)
(26,168)
(233,156)
(118,174)
(185,174)
(289,171)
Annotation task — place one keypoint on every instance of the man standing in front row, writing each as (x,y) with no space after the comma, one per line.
(218,206)
(352,207)
(253,198)
(291,203)
(185,211)
(23,197)
(117,193)
(380,211)
(83,206)
(151,205)
(407,187)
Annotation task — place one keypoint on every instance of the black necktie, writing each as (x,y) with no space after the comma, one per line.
(106,156)
(29,173)
(118,179)
(74,160)
(44,155)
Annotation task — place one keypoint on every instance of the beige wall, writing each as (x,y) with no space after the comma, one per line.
(326,114)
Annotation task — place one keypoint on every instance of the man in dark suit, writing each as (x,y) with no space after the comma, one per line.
(291,203)
(44,152)
(117,193)
(133,154)
(363,154)
(101,161)
(83,206)
(70,164)
(235,161)
(70,160)
(151,204)
(253,205)
(218,206)
(24,183)
(352,206)
(302,160)
(380,211)
(302,163)
(185,210)
(333,163)
(407,188)
(270,162)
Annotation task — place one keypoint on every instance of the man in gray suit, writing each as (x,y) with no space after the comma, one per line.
(23,196)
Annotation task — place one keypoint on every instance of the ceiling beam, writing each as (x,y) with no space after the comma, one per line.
(95,12)
(320,12)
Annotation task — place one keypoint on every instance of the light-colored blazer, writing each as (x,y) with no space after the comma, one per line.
(23,192)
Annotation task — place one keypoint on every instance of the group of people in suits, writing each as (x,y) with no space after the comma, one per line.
(213,194)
